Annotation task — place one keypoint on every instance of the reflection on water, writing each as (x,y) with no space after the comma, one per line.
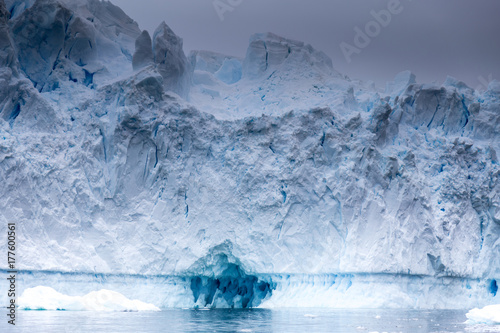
(246,320)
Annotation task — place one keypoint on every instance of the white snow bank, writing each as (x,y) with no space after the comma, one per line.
(488,315)
(46,298)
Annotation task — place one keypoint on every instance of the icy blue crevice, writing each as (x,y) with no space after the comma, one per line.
(71,78)
(145,172)
(126,53)
(56,62)
(14,114)
(435,112)
(233,289)
(156,156)
(493,288)
(101,132)
(267,56)
(466,111)
(323,137)
(283,193)
(89,78)
(186,213)
(270,76)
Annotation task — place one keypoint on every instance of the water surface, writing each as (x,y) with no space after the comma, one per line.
(247,320)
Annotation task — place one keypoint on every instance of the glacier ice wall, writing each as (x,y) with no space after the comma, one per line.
(278,164)
(77,41)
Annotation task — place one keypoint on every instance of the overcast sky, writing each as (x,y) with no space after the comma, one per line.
(432,38)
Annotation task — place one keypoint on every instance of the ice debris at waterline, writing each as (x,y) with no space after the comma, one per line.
(46,298)
(489,315)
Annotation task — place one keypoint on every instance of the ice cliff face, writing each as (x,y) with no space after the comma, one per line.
(143,55)
(119,154)
(79,41)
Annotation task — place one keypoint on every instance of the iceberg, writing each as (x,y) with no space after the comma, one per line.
(489,315)
(46,298)
(212,181)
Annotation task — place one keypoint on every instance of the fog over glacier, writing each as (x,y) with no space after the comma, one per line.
(208,180)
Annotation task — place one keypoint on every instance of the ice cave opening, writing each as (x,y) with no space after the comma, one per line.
(232,288)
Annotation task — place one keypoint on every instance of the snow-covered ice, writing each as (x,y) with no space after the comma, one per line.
(489,315)
(46,298)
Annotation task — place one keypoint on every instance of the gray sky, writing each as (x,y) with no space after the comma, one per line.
(432,38)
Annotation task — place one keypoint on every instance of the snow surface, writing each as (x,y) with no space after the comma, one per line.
(275,164)
(46,298)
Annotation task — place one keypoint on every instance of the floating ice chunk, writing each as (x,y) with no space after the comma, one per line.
(310,315)
(107,300)
(488,315)
(46,298)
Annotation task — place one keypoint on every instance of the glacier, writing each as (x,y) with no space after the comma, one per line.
(207,180)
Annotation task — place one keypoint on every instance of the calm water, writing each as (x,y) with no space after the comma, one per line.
(253,320)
